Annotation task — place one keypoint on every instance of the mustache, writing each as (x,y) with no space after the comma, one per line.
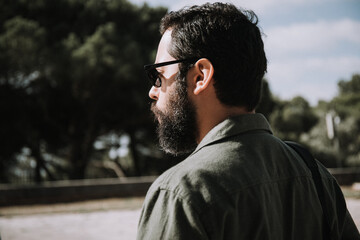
(157,114)
(153,108)
(153,105)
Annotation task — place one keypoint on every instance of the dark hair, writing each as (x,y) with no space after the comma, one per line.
(230,39)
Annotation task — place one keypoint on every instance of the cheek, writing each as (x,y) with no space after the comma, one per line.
(165,97)
(161,102)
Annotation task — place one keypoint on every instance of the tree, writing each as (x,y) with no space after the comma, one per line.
(267,103)
(78,67)
(341,149)
(348,100)
(20,45)
(292,118)
(347,105)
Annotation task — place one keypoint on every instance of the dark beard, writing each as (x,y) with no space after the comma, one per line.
(177,129)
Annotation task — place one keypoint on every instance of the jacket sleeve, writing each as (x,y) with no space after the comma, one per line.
(350,231)
(346,227)
(340,221)
(168,216)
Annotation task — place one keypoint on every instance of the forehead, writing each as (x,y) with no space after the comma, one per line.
(162,52)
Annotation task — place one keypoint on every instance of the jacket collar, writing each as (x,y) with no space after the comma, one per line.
(234,126)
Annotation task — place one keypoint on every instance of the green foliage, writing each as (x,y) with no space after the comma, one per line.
(347,103)
(21,49)
(267,102)
(343,150)
(292,118)
(77,66)
(71,75)
(347,106)
(350,87)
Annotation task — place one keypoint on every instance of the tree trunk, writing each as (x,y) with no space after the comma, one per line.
(80,154)
(134,153)
(40,163)
(78,161)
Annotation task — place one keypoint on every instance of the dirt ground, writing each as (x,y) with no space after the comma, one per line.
(100,219)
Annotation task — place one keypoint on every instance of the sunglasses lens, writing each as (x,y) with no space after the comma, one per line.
(153,76)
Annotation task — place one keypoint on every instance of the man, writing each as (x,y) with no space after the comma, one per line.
(239,182)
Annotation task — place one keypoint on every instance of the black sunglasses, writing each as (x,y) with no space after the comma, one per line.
(153,74)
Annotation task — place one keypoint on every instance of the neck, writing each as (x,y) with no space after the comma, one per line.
(211,115)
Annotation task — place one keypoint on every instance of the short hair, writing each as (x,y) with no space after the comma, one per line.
(230,38)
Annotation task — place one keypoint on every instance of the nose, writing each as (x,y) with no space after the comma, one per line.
(154,93)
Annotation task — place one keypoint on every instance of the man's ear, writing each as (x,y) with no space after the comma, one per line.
(204,71)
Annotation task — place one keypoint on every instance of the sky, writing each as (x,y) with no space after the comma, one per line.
(310,44)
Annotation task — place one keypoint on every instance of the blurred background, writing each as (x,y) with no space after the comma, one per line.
(74,100)
(75,123)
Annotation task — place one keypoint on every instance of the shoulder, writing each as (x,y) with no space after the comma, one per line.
(181,181)
(205,176)
(198,181)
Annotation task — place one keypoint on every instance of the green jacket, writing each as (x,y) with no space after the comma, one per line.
(241,182)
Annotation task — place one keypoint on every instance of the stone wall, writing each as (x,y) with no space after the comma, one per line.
(75,190)
(80,190)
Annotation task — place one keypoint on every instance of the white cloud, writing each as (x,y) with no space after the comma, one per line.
(317,36)
(335,65)
(312,78)
(309,59)
(291,68)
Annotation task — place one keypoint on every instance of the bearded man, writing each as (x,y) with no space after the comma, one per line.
(240,181)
